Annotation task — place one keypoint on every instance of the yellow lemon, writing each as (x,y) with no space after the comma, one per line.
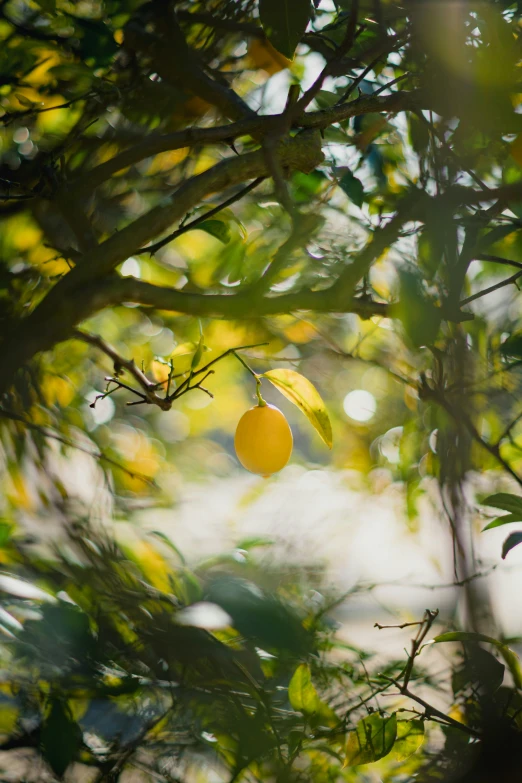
(261,54)
(263,440)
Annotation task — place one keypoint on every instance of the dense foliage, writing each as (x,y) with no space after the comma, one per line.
(333,187)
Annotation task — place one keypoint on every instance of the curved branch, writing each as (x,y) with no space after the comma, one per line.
(257,126)
(301,153)
(232,306)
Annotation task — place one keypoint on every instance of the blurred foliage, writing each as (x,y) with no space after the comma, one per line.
(398,255)
(117,656)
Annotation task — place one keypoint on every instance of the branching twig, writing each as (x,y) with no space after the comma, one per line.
(149,389)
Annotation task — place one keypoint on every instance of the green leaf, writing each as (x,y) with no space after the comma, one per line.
(302,393)
(505,520)
(419,134)
(284,22)
(325,99)
(410,736)
(60,738)
(373,738)
(420,318)
(466,636)
(480,668)
(5,533)
(512,346)
(49,6)
(216,228)
(9,715)
(506,501)
(511,541)
(353,188)
(254,542)
(301,693)
(198,353)
(304,698)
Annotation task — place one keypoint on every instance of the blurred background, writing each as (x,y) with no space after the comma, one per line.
(100,500)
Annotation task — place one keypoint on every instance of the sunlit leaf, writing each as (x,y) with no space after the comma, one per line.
(302,393)
(372,739)
(304,698)
(198,353)
(410,736)
(284,22)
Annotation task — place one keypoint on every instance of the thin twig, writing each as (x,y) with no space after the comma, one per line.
(492,288)
(201,219)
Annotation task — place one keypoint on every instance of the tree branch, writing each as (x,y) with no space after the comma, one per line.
(230,306)
(257,126)
(178,65)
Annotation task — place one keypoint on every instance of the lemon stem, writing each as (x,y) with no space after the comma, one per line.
(245,365)
(256,375)
(260,399)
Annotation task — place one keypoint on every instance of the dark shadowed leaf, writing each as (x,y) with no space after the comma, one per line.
(47,5)
(353,188)
(60,738)
(512,346)
(506,501)
(420,318)
(511,541)
(259,616)
(373,738)
(481,669)
(284,22)
(510,657)
(217,229)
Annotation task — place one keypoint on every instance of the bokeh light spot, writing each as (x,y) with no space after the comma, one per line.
(360,405)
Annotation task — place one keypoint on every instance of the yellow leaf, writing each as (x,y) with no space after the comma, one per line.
(302,393)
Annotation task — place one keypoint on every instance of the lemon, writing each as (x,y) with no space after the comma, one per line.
(263,440)
(261,54)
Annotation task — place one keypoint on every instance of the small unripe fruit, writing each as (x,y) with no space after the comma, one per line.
(263,440)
